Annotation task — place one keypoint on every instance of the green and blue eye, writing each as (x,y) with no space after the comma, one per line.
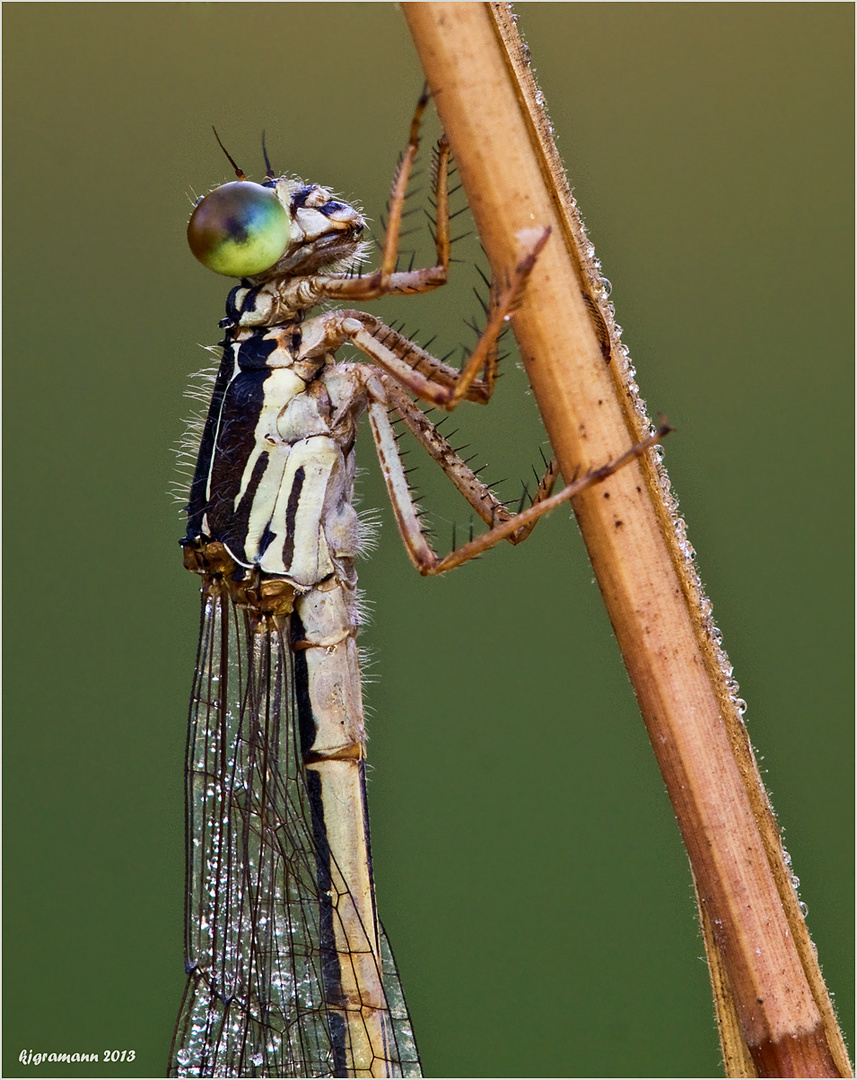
(239,230)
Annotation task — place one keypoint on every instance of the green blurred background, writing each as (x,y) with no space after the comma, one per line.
(528,867)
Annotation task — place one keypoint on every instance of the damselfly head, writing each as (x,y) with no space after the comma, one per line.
(284,226)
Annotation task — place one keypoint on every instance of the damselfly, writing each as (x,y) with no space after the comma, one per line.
(289,970)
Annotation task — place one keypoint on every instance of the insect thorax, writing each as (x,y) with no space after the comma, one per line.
(276,302)
(275,474)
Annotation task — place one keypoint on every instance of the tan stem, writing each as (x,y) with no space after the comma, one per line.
(773,1008)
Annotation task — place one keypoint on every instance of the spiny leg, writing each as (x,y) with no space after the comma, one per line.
(417,370)
(479,495)
(398,194)
(513,527)
(526,519)
(440,189)
(386,279)
(435,381)
(504,300)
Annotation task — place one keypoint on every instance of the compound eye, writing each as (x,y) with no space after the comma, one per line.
(239,229)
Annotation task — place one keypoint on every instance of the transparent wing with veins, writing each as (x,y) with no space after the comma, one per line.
(260,935)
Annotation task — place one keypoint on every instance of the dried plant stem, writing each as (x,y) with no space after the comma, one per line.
(773,1008)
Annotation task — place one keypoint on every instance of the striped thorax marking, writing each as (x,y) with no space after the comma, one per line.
(275,474)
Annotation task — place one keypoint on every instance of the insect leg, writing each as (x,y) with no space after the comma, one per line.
(479,495)
(505,525)
(416,369)
(387,279)
(390,250)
